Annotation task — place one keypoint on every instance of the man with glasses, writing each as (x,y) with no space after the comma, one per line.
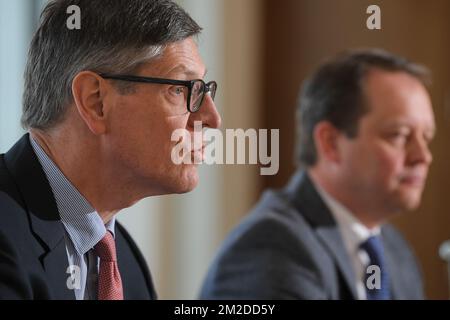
(100,105)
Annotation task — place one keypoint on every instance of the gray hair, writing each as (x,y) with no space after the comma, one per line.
(116,36)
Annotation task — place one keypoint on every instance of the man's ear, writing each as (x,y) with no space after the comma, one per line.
(88,93)
(326,137)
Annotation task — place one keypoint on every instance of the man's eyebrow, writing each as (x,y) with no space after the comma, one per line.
(405,123)
(183,69)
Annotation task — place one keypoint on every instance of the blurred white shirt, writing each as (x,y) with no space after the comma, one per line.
(354,233)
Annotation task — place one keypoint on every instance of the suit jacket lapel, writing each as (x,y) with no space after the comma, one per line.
(45,222)
(393,270)
(55,265)
(332,239)
(307,201)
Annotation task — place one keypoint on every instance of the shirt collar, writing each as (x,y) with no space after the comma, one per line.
(354,233)
(81,221)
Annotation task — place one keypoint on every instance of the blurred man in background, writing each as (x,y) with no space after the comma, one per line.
(365,122)
(101,103)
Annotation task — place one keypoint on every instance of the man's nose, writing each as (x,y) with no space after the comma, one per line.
(208,114)
(420,151)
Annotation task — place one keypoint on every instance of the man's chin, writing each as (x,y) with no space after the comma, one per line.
(186,189)
(188,180)
(410,202)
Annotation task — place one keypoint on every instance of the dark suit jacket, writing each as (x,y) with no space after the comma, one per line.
(33,257)
(290,247)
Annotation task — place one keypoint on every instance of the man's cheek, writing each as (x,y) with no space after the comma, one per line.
(181,147)
(392,169)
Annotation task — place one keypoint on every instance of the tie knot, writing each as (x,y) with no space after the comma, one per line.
(106,248)
(376,277)
(374,248)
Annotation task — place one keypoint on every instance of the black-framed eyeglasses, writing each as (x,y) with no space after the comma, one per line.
(197,89)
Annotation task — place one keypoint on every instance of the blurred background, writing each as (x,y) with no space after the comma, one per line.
(260,51)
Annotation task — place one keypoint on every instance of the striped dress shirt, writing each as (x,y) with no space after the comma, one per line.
(83,228)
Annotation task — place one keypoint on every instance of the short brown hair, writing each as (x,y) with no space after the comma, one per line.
(334,93)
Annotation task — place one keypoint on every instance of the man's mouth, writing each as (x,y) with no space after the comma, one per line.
(198,155)
(413,180)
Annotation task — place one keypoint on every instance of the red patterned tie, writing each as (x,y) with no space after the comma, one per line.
(109,282)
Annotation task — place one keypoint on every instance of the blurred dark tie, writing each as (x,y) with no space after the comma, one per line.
(376,288)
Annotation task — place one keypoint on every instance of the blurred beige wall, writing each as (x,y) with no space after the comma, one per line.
(243,101)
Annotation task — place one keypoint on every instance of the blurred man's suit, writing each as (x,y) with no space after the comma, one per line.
(290,247)
(33,256)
